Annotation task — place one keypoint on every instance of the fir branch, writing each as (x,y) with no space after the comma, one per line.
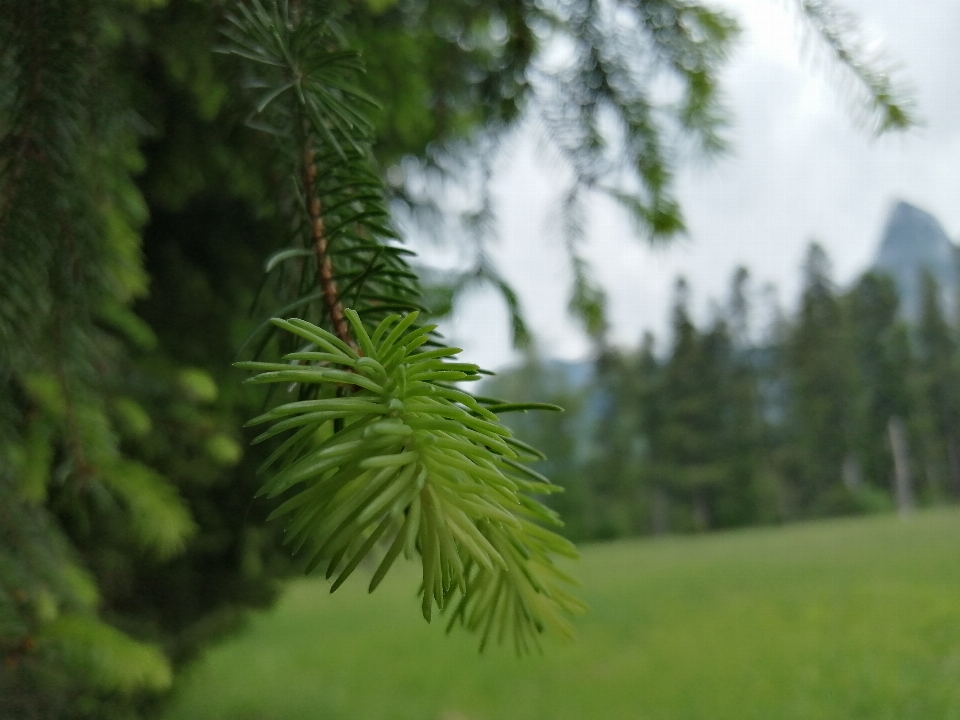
(325,278)
(879,99)
(406,459)
(422,466)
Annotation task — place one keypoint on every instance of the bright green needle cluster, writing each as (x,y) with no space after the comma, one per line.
(406,460)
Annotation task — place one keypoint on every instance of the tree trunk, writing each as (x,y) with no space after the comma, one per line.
(660,512)
(902,482)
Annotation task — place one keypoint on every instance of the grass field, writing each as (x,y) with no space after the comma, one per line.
(834,620)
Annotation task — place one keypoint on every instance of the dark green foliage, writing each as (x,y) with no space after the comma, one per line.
(617,500)
(308,102)
(113,453)
(704,441)
(726,430)
(384,448)
(938,390)
(689,434)
(69,266)
(884,382)
(137,211)
(819,373)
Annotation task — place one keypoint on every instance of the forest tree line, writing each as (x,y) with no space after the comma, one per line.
(842,407)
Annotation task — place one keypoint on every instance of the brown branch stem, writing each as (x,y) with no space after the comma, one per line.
(328,284)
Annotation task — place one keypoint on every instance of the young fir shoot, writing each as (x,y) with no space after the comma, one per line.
(420,467)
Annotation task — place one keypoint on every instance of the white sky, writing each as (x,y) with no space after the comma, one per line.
(801,168)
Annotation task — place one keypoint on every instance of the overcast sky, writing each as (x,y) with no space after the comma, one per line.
(801,168)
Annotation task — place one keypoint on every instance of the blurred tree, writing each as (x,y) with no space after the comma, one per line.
(938,385)
(820,372)
(884,372)
(564,438)
(617,458)
(690,432)
(738,500)
(70,218)
(623,91)
(730,429)
(649,408)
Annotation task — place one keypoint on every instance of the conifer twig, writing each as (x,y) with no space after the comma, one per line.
(328,284)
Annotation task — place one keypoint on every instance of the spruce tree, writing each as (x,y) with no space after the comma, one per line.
(690,431)
(883,375)
(738,502)
(616,469)
(937,387)
(820,387)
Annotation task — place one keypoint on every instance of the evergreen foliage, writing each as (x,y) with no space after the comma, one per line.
(137,210)
(937,386)
(731,426)
(384,448)
(70,217)
(820,387)
(623,91)
(884,376)
(422,466)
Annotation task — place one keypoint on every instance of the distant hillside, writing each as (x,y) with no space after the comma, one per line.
(914,241)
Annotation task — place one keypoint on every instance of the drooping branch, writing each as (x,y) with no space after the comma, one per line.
(392,450)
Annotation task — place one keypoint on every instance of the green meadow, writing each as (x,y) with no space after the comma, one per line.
(835,620)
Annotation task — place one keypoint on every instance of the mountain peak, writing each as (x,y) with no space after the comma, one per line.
(914,241)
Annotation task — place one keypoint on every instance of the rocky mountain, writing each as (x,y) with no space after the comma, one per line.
(914,241)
